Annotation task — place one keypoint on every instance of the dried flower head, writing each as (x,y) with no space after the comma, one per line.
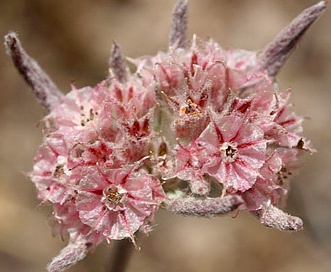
(199,114)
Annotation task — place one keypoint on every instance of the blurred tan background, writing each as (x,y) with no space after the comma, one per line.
(71,40)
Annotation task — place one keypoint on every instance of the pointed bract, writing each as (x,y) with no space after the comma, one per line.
(117,64)
(273,57)
(178,32)
(70,255)
(273,217)
(207,207)
(42,86)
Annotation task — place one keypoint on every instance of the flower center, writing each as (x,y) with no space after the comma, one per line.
(229,151)
(190,108)
(113,196)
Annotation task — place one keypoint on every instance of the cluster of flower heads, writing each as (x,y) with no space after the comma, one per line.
(197,130)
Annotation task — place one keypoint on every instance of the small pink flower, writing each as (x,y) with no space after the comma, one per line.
(233,152)
(190,161)
(66,220)
(50,172)
(267,188)
(116,202)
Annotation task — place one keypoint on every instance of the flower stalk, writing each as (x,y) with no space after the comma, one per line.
(122,251)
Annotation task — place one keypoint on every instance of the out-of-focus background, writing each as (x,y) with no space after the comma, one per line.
(71,40)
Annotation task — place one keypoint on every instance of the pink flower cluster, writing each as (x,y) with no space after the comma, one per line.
(192,115)
(221,117)
(92,165)
(197,130)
